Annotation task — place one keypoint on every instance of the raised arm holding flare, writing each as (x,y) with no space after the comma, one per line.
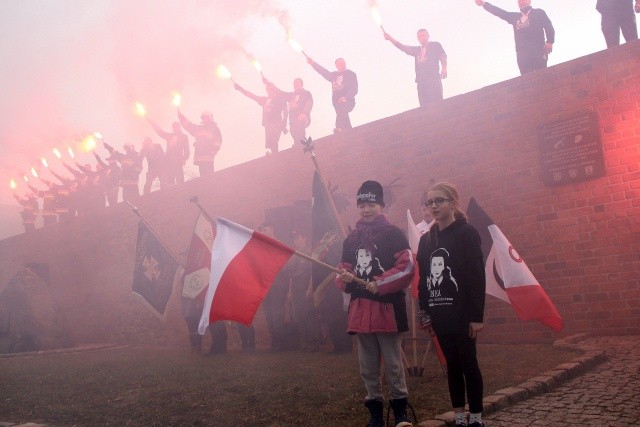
(274,114)
(530,27)
(300,103)
(430,64)
(344,86)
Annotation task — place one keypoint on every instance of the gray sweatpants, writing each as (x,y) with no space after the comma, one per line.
(372,348)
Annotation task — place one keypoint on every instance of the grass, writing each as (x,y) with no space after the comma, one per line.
(169,387)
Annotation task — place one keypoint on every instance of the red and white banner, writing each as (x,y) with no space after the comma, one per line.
(198,268)
(244,264)
(508,277)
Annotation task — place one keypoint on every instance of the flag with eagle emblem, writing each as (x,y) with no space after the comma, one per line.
(154,270)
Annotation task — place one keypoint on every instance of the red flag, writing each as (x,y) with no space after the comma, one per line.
(508,277)
(244,264)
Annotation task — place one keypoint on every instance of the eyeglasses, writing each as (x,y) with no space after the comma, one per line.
(437,202)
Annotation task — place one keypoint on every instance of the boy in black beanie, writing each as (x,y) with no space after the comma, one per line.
(378,252)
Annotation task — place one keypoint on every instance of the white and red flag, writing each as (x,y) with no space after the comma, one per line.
(244,264)
(198,267)
(508,277)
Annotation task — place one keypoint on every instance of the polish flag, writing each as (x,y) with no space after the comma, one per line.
(508,277)
(244,264)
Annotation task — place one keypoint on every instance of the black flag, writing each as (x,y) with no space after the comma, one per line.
(154,270)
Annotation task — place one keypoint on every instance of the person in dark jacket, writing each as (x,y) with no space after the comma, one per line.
(208,140)
(300,103)
(618,16)
(274,114)
(177,152)
(430,64)
(49,213)
(378,252)
(344,85)
(451,294)
(131,166)
(155,156)
(530,27)
(110,174)
(30,212)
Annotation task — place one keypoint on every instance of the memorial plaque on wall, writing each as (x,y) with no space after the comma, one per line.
(571,150)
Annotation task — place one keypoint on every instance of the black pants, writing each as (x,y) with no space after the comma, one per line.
(614,23)
(462,368)
(272,134)
(298,130)
(247,337)
(205,168)
(531,61)
(195,339)
(342,113)
(430,91)
(218,331)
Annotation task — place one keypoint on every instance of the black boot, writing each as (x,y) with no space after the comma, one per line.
(399,407)
(376,408)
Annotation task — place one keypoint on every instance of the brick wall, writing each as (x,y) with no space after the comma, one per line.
(581,241)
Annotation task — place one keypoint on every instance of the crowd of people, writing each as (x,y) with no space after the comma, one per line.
(93,186)
(115,176)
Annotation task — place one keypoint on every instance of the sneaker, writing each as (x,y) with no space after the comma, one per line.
(476,424)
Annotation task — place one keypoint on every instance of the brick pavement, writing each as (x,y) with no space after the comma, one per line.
(601,388)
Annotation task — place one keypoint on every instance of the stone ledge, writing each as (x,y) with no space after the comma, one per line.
(537,385)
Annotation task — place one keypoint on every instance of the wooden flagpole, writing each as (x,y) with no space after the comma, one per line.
(308,144)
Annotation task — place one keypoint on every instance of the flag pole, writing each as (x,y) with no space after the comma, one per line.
(327,266)
(137,212)
(194,200)
(308,144)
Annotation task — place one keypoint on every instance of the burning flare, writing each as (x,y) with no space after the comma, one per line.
(89,143)
(34,172)
(256,65)
(25,177)
(13,184)
(140,110)
(98,135)
(70,151)
(223,72)
(44,162)
(56,153)
(176,99)
(295,45)
(375,14)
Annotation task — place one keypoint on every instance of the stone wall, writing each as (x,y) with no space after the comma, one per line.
(581,240)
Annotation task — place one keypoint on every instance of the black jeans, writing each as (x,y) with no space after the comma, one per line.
(429,91)
(462,368)
(342,113)
(531,61)
(613,23)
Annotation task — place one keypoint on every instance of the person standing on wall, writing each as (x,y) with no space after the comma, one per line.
(530,27)
(344,86)
(430,65)
(618,16)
